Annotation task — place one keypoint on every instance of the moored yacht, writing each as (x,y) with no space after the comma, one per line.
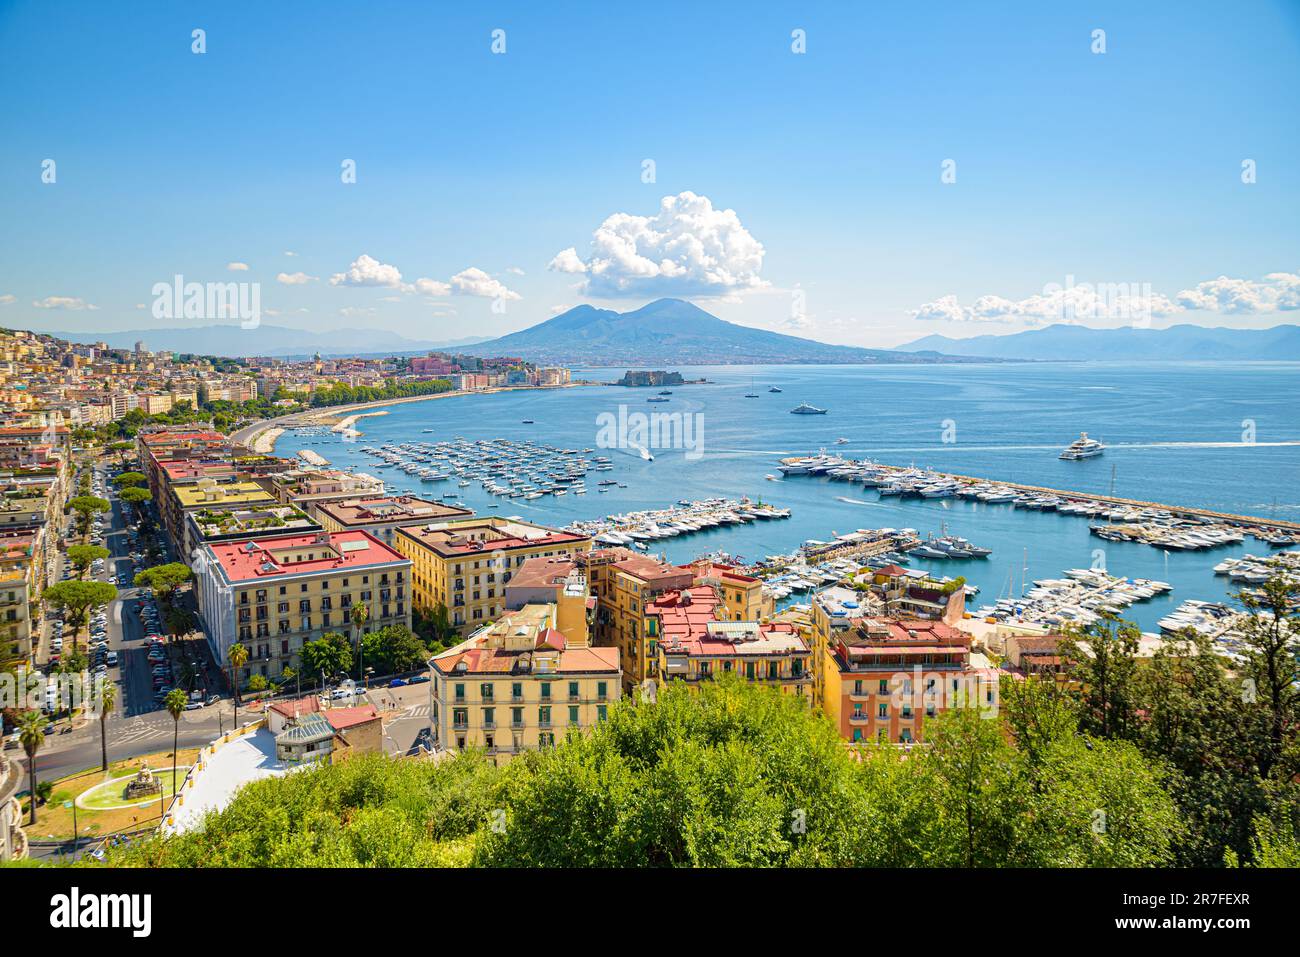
(1083,448)
(804,408)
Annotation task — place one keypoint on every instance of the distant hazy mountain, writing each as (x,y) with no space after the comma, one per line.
(1080,342)
(266,341)
(671,332)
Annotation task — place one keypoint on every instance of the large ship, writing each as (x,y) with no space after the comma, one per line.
(1083,448)
(804,408)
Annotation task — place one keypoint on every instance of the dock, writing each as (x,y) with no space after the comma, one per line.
(1227,518)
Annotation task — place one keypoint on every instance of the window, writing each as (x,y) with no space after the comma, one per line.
(573,714)
(486,691)
(544,716)
(460,692)
(573,691)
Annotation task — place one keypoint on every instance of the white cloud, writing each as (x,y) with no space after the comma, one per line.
(237,267)
(1073,302)
(429,287)
(288,252)
(687,248)
(475,282)
(366,271)
(1276,292)
(70,303)
(1124,301)
(567,260)
(514,271)
(8,299)
(294,278)
(556,310)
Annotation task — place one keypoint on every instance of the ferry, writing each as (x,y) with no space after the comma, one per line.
(804,408)
(1082,448)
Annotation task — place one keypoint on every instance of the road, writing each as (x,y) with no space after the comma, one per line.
(139,725)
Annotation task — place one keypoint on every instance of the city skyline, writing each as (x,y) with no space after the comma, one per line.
(959,176)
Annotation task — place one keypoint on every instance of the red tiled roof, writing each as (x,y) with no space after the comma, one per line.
(341,719)
(304,705)
(253,560)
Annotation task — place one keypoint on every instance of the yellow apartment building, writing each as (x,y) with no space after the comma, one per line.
(465,564)
(518,685)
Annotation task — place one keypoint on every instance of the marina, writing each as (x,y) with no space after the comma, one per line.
(1157,456)
(639,528)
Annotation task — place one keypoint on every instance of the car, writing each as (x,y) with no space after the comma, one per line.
(339,693)
(398,683)
(101,669)
(194,706)
(112,658)
(418,680)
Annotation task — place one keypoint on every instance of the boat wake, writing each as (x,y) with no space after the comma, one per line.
(858,501)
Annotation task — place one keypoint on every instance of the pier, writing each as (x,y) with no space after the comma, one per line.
(1184,511)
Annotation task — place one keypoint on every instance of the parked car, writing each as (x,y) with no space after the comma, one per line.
(112,658)
(417,680)
(398,683)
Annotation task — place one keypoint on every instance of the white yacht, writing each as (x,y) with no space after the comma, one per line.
(1083,448)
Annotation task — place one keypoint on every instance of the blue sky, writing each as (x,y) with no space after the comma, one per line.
(477,171)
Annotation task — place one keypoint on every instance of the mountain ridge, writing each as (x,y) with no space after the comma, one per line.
(1184,341)
(674,332)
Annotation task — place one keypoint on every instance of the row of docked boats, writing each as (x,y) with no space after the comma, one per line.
(1172,534)
(503,467)
(1254,570)
(1080,598)
(638,528)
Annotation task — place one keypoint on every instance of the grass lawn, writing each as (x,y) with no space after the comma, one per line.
(53,820)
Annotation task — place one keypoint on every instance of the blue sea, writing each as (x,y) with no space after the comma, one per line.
(1219,435)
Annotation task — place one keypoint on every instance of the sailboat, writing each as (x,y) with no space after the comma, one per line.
(751,394)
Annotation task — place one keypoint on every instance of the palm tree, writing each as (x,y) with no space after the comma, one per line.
(107,695)
(175,701)
(31,736)
(359,614)
(238,656)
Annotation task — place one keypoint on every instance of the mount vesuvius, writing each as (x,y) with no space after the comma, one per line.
(673,332)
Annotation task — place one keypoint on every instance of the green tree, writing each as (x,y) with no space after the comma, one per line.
(1102,659)
(31,735)
(77,597)
(87,507)
(330,654)
(128,479)
(163,580)
(237,655)
(175,703)
(83,556)
(135,496)
(1271,648)
(393,649)
(107,697)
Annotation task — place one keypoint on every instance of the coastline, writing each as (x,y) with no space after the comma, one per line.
(260,437)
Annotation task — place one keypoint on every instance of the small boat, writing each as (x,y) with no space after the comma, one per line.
(841,441)
(656,398)
(804,408)
(529,422)
(773,389)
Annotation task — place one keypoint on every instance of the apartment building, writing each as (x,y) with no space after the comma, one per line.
(207,494)
(276,593)
(693,641)
(884,677)
(381,516)
(465,564)
(517,685)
